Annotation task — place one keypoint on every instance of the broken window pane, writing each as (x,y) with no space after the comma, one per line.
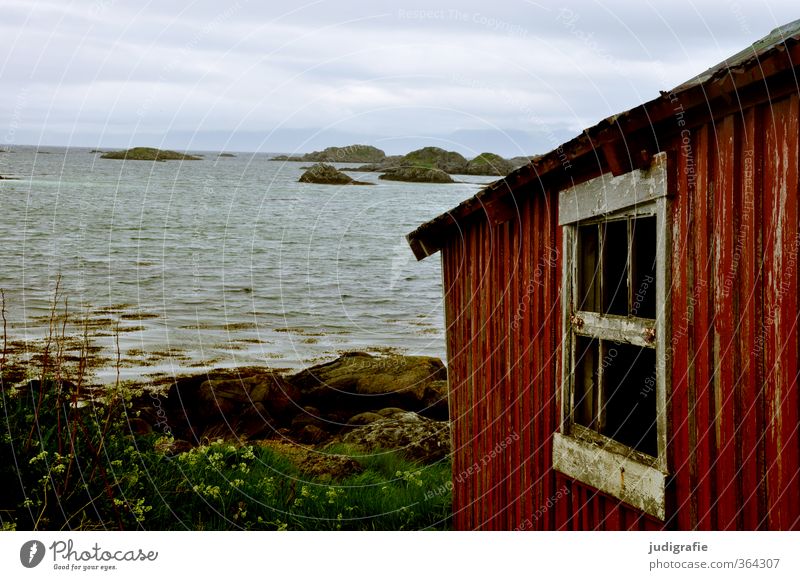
(615,267)
(586,382)
(643,269)
(630,407)
(588,298)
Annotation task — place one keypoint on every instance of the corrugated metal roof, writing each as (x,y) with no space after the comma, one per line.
(748,66)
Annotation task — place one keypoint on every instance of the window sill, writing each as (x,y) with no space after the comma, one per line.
(623,477)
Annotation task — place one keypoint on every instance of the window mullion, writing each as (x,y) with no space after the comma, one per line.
(638,331)
(601,389)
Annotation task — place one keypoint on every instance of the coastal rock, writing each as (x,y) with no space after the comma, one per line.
(390,162)
(364,418)
(488,164)
(243,406)
(517,162)
(435,158)
(417,175)
(329,466)
(319,463)
(416,437)
(358,382)
(311,434)
(327,175)
(149,154)
(139,426)
(348,154)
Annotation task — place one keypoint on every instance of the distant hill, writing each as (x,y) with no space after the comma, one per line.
(417,175)
(349,154)
(435,158)
(149,154)
(489,164)
(413,166)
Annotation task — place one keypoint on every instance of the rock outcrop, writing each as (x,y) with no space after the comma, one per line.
(348,154)
(393,402)
(228,404)
(488,164)
(417,175)
(435,158)
(418,438)
(149,154)
(414,166)
(328,175)
(358,382)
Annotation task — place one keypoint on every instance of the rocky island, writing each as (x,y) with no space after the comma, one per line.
(149,154)
(328,175)
(349,154)
(425,165)
(417,175)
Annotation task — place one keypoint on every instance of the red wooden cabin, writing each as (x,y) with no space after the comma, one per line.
(622,316)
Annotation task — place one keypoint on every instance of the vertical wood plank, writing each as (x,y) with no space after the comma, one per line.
(526,434)
(553,411)
(703,336)
(725,219)
(780,316)
(679,442)
(749,339)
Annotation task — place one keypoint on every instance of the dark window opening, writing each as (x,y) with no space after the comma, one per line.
(630,405)
(616,271)
(614,392)
(643,265)
(588,276)
(615,267)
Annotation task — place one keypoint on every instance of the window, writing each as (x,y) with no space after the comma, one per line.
(615,278)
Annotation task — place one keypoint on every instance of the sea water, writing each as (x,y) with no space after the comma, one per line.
(181,266)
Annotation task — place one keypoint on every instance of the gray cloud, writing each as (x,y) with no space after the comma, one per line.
(248,74)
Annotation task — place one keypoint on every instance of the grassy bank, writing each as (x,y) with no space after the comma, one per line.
(73,462)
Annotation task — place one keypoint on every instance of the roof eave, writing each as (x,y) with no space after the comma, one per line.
(738,72)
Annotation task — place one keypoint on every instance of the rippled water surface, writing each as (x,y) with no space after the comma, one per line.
(220,262)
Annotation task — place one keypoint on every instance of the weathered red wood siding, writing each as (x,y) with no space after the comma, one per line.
(735,447)
(734,408)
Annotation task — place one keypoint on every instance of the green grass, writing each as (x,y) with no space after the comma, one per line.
(70,466)
(65,468)
(220,486)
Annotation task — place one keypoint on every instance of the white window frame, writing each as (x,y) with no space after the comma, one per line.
(579,452)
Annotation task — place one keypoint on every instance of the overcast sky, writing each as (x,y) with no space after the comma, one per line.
(514,76)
